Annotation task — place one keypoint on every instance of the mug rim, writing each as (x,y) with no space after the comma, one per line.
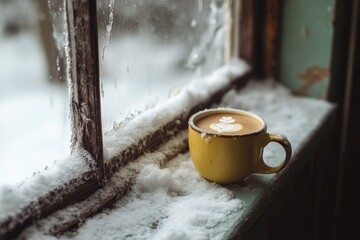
(227,110)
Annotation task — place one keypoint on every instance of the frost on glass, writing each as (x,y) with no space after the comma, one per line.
(149,49)
(34,106)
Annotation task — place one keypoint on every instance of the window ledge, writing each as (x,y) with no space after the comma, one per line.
(170,199)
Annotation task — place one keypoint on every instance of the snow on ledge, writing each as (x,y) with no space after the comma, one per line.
(174,202)
(14,197)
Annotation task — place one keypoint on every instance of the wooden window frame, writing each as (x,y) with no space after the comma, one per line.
(86,108)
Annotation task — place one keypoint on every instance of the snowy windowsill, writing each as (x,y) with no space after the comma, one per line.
(169,200)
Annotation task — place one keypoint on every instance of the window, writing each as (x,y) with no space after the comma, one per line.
(137,48)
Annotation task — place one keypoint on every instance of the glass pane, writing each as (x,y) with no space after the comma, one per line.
(34,122)
(150,48)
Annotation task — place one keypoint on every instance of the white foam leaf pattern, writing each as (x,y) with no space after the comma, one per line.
(226,124)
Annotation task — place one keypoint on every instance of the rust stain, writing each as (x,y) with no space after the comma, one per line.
(314,74)
(311,76)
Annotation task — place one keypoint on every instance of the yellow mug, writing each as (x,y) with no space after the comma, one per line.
(226,145)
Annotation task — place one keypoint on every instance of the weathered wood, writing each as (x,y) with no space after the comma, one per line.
(271,37)
(81,187)
(86,95)
(112,191)
(247,31)
(89,207)
(259,35)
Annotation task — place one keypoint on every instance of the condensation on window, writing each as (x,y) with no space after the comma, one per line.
(149,49)
(34,106)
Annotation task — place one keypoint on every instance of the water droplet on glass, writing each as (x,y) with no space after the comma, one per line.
(193,23)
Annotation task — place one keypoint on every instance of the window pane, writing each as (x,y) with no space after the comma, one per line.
(34,123)
(150,48)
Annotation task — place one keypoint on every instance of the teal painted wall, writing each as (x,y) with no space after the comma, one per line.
(305,50)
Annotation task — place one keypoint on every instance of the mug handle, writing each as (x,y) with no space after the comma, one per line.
(261,166)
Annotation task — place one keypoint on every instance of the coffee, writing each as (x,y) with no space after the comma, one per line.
(237,148)
(228,123)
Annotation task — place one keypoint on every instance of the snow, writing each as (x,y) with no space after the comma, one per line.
(13,199)
(171,201)
(165,203)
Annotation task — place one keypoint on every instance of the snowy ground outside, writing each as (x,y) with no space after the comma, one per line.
(34,123)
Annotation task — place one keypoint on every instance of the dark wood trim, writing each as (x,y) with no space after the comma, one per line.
(339,53)
(247,31)
(341,92)
(271,38)
(260,23)
(347,205)
(86,97)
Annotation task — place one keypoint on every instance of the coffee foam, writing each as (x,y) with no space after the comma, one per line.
(228,123)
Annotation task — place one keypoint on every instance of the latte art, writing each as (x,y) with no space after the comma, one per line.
(226,124)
